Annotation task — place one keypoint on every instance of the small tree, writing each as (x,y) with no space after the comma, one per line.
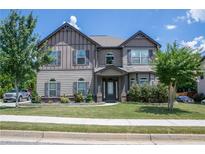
(176,65)
(19,54)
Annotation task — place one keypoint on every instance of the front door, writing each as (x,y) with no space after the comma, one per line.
(110,90)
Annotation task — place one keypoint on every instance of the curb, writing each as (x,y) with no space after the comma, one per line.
(100,136)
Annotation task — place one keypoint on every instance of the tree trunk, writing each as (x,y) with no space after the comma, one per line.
(171,97)
(17,93)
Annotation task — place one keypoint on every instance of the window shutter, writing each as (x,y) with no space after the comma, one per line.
(74,57)
(87,57)
(151,54)
(86,87)
(59,58)
(137,80)
(129,57)
(74,87)
(46,89)
(58,89)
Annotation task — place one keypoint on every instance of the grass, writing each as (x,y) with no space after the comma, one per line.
(100,129)
(120,111)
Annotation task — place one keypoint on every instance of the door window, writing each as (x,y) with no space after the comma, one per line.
(110,88)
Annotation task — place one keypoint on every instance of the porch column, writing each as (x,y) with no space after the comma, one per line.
(124,88)
(99,88)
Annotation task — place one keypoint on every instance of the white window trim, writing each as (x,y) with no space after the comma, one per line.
(77,56)
(81,82)
(49,88)
(132,80)
(140,56)
(147,79)
(111,55)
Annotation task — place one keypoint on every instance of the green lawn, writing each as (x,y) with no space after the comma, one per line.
(100,129)
(131,111)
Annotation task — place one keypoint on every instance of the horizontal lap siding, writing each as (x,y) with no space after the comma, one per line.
(117,56)
(66,78)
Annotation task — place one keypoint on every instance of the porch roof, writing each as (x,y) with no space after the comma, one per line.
(110,70)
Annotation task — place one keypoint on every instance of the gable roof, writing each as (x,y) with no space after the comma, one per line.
(107,41)
(110,67)
(70,26)
(141,33)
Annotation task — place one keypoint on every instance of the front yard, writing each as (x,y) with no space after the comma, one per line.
(119,111)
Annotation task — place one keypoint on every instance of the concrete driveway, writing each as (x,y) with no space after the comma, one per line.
(13,104)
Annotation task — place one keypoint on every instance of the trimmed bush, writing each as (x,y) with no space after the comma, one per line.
(78,97)
(64,99)
(148,93)
(35,98)
(89,97)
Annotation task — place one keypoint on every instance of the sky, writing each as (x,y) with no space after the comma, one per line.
(187,27)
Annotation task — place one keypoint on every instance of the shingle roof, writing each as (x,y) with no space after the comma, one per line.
(107,41)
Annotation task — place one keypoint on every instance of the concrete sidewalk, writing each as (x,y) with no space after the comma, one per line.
(44,137)
(105,122)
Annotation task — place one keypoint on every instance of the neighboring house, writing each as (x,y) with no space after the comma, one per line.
(104,65)
(201,80)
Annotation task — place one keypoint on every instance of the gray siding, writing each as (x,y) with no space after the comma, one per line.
(117,57)
(66,79)
(67,40)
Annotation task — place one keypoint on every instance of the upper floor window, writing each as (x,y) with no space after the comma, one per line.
(139,56)
(55,57)
(81,57)
(109,58)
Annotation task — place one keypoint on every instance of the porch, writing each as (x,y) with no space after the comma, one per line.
(111,84)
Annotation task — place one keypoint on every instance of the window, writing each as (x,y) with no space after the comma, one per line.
(54,55)
(139,56)
(109,58)
(81,86)
(132,82)
(81,57)
(52,88)
(143,81)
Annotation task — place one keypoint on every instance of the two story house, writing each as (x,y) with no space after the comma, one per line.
(104,65)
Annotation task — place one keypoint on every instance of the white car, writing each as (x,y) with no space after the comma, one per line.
(203,101)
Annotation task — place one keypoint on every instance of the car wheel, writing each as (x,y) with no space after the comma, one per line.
(20,99)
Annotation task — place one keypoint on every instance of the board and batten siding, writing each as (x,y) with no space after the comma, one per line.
(65,78)
(67,40)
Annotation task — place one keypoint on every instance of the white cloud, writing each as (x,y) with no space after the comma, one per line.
(198,43)
(192,16)
(73,22)
(170,27)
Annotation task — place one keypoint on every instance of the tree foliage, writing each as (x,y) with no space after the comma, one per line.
(20,55)
(176,65)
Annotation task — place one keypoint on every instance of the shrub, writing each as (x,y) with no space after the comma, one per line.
(89,97)
(78,97)
(199,97)
(64,99)
(145,93)
(35,98)
(148,93)
(162,91)
(134,93)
